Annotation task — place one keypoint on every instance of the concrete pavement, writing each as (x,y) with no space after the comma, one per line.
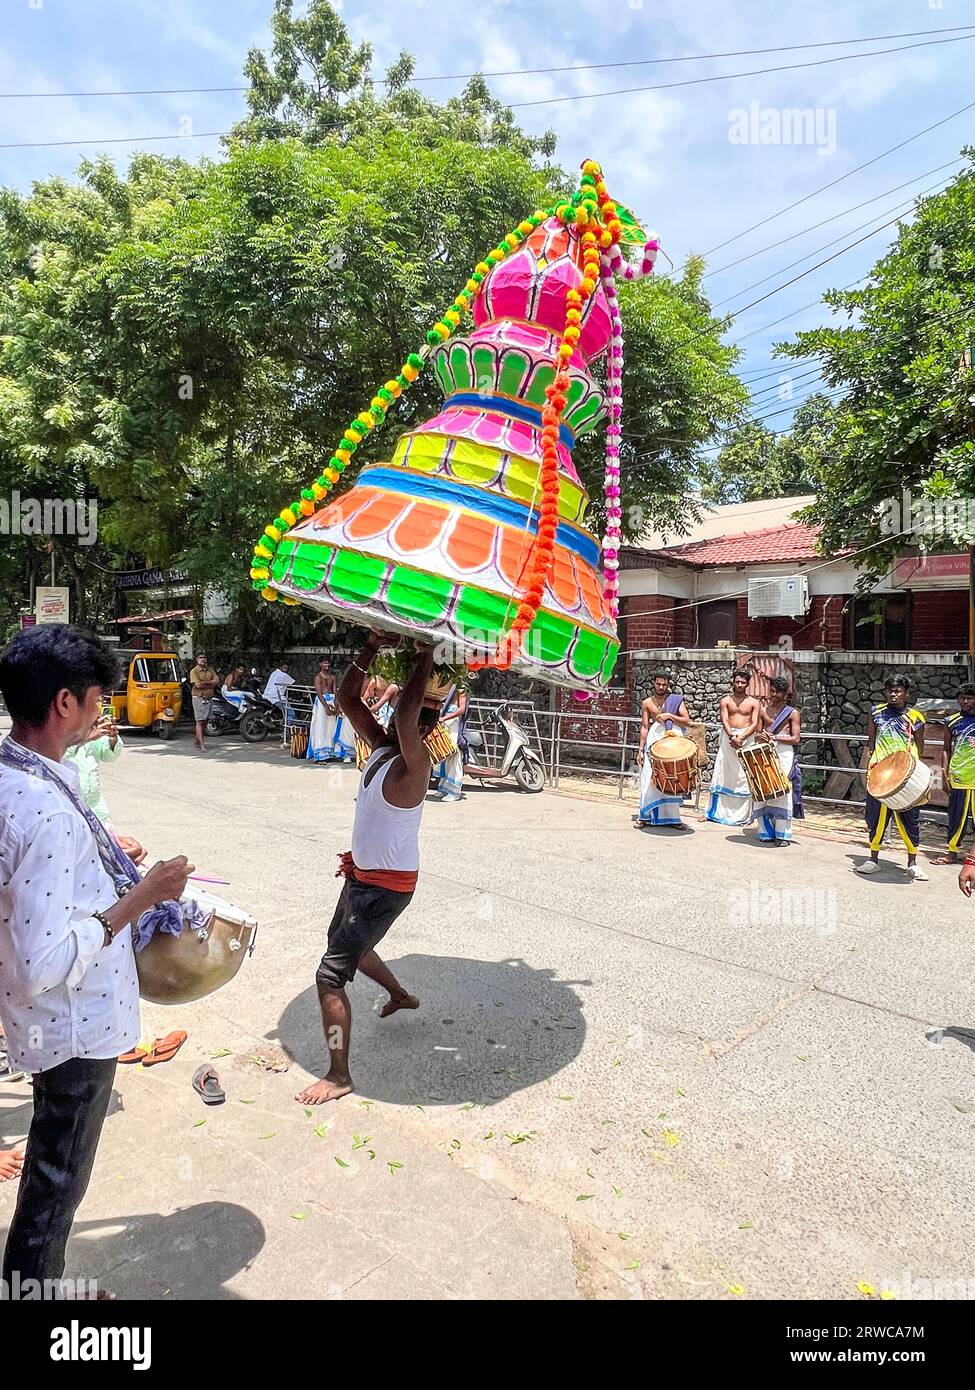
(646,1064)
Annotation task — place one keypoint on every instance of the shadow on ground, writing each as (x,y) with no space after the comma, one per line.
(890,871)
(193,1251)
(485,1029)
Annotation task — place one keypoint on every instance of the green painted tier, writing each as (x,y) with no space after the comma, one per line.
(383,594)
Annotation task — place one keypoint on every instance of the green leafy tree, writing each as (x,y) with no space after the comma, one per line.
(908,418)
(757,462)
(315,84)
(186,343)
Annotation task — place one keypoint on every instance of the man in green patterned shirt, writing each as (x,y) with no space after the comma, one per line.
(958,769)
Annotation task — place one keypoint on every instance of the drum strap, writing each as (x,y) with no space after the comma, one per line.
(783,714)
(167,916)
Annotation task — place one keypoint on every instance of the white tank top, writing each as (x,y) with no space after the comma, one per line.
(384,836)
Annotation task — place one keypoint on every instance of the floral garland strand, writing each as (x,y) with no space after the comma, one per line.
(613,535)
(594,214)
(366,421)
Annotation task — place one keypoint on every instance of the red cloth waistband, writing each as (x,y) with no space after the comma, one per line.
(397,880)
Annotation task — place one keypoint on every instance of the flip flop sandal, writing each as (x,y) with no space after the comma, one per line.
(165,1049)
(206,1084)
(137,1054)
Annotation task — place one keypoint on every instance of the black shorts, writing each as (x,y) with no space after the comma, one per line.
(362,918)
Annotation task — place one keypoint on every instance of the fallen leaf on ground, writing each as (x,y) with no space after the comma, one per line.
(671,1138)
(340,1161)
(736,1289)
(198,1123)
(866,1289)
(224,1052)
(585,1196)
(299,1216)
(393,1166)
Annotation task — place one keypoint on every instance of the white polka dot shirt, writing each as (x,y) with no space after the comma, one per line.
(63,994)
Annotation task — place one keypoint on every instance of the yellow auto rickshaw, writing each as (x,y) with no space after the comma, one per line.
(149,692)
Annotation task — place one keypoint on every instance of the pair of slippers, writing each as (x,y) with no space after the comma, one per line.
(206,1082)
(161,1050)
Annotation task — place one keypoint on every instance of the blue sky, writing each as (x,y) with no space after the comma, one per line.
(668,154)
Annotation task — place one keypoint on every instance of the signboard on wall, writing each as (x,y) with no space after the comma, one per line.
(51,604)
(217,606)
(149,579)
(932,572)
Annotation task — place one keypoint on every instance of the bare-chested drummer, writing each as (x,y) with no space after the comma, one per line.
(741,717)
(661,711)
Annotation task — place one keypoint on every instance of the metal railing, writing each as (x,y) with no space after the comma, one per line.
(611,742)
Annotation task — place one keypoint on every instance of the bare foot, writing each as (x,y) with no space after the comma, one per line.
(400,1001)
(329,1088)
(945,859)
(11,1162)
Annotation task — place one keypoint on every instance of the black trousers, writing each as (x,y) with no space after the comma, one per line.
(70,1105)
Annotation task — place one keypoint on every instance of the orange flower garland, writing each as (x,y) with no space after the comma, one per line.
(596,231)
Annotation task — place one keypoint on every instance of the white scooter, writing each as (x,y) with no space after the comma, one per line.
(517,757)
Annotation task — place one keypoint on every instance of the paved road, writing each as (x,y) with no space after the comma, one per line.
(647,1063)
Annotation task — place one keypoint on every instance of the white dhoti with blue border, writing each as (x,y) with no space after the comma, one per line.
(321,731)
(729,799)
(656,807)
(774,816)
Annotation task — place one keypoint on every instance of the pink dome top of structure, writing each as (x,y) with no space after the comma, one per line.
(531,284)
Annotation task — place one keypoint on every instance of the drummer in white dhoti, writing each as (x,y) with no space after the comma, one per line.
(730,801)
(780,723)
(660,711)
(321,731)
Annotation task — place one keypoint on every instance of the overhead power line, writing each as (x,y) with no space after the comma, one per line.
(586,96)
(826,186)
(730,76)
(732,265)
(523,72)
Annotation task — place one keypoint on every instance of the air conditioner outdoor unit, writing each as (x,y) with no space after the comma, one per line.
(784,596)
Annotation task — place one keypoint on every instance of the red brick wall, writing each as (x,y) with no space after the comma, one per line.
(822,626)
(939,621)
(649,621)
(684,625)
(751,631)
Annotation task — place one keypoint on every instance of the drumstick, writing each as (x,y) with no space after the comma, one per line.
(208,878)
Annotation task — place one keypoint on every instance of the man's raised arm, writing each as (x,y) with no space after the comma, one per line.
(350,700)
(408,712)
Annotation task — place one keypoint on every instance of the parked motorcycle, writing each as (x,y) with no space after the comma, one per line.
(514,755)
(260,719)
(226,715)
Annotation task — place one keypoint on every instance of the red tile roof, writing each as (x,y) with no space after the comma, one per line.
(775,545)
